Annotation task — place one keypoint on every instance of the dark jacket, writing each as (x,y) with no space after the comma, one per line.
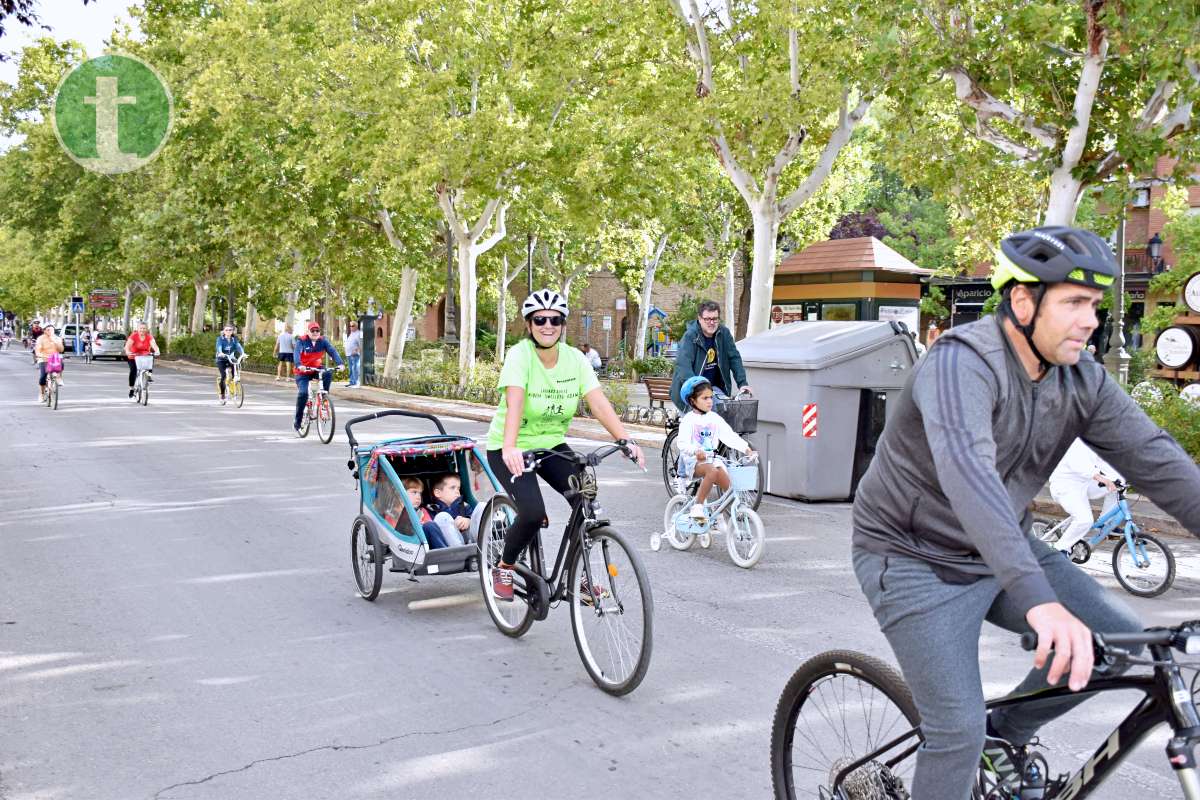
(972,440)
(689,360)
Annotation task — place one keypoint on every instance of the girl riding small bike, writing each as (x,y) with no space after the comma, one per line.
(700,431)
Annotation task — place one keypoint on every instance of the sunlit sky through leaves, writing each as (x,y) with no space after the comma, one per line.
(67,19)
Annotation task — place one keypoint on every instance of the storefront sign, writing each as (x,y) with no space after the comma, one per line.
(1191,293)
(784,313)
(967,295)
(909,315)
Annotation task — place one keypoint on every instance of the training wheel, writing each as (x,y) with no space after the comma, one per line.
(706,540)
(655,541)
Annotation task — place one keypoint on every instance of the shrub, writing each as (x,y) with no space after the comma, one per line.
(1176,416)
(202,347)
(654,366)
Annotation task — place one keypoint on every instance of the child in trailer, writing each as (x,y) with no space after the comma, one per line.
(391,507)
(700,431)
(450,511)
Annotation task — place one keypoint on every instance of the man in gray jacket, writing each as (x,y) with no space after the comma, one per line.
(941,522)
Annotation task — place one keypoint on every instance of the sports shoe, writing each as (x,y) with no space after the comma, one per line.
(588,595)
(697,512)
(131,392)
(502,584)
(296,428)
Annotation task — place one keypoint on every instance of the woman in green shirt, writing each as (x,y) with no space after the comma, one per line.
(543,379)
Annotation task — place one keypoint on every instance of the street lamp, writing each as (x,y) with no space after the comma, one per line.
(1117,336)
(1154,250)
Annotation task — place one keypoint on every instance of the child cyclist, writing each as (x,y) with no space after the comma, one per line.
(700,431)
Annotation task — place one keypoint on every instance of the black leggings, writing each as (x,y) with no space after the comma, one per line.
(526,493)
(224,366)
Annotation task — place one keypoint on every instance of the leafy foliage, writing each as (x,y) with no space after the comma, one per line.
(1175,415)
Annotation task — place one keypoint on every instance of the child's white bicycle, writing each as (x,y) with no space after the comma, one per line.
(728,514)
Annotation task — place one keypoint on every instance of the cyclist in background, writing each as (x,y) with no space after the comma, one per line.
(707,349)
(941,536)
(309,356)
(140,343)
(228,347)
(1079,478)
(543,379)
(46,343)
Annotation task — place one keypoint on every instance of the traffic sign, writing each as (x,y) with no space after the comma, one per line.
(76,305)
(104,298)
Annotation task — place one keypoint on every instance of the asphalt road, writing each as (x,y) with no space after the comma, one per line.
(178,619)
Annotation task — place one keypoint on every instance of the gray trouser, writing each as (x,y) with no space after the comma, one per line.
(934,628)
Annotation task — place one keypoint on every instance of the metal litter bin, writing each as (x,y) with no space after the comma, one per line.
(823,391)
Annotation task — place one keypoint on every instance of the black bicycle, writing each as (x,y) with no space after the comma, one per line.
(596,571)
(846,727)
(741,413)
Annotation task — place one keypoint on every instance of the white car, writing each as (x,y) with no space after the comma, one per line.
(108,344)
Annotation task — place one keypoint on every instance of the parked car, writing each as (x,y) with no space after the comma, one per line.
(108,344)
(68,333)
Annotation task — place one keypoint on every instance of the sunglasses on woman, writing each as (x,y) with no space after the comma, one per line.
(555,321)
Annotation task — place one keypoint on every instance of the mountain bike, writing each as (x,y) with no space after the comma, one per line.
(1143,564)
(745,535)
(233,382)
(596,572)
(319,407)
(141,384)
(846,727)
(741,413)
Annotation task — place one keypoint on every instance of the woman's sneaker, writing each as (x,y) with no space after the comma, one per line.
(588,595)
(697,512)
(502,584)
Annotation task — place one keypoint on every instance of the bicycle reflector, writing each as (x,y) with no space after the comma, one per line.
(612,571)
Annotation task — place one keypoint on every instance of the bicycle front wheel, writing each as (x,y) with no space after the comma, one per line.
(613,617)
(325,419)
(238,395)
(839,707)
(512,618)
(746,538)
(144,394)
(54,395)
(1148,569)
(670,465)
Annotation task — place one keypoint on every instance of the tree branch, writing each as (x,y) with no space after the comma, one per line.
(742,180)
(385,221)
(498,233)
(847,122)
(987,107)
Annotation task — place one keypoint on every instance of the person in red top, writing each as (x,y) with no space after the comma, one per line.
(140,343)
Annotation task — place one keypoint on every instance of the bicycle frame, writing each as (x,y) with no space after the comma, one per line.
(581,520)
(1166,699)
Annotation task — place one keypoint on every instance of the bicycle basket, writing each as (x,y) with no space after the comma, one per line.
(742,415)
(744,478)
(144,362)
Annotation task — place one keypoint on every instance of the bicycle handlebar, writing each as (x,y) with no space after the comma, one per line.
(534,458)
(1185,638)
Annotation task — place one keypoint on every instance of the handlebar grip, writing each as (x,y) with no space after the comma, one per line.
(1029,641)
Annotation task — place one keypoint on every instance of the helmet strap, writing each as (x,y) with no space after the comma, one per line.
(1039,292)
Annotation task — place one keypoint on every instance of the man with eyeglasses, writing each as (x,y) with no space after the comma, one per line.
(707,349)
(309,356)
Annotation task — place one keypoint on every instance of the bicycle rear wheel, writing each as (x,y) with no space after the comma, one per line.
(613,619)
(307,417)
(670,466)
(1146,571)
(513,619)
(838,707)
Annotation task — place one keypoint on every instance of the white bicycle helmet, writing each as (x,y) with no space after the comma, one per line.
(544,300)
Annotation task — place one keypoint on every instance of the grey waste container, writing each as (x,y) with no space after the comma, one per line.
(823,390)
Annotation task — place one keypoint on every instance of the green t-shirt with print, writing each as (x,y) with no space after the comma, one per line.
(551,395)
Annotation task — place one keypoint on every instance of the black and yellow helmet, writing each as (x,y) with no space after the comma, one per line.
(1054,254)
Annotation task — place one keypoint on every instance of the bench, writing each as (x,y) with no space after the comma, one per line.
(659,390)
